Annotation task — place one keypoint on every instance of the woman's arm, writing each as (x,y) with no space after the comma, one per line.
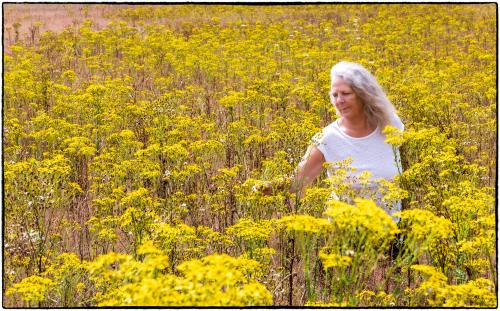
(308,170)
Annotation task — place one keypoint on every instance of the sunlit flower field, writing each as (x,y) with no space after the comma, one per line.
(134,151)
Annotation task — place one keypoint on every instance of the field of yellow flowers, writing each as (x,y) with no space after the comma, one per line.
(131,152)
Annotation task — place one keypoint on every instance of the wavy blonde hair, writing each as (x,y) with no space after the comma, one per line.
(378,108)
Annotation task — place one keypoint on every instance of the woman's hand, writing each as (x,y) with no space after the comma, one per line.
(270,187)
(265,188)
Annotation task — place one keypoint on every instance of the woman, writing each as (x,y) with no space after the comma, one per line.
(363,111)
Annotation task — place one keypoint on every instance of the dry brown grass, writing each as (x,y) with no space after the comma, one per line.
(51,17)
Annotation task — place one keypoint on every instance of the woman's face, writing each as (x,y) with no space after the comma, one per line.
(347,102)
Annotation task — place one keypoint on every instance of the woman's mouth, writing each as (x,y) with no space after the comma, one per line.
(343,110)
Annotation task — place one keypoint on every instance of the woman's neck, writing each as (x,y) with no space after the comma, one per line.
(358,127)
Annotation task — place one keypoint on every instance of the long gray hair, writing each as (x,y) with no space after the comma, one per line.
(378,108)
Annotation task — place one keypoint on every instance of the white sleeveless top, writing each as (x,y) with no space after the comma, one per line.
(369,153)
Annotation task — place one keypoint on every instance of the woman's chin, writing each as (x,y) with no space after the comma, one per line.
(345,114)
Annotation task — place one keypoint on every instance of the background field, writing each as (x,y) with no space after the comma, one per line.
(134,138)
